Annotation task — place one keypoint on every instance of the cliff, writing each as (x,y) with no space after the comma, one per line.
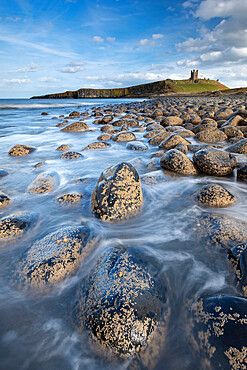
(158,88)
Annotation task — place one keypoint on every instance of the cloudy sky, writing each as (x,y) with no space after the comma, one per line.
(53,46)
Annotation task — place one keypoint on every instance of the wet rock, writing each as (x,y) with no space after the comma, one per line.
(104,137)
(124,136)
(43,183)
(74,114)
(242,173)
(223,113)
(4,199)
(76,127)
(123,305)
(158,138)
(171,121)
(63,148)
(221,231)
(50,260)
(107,119)
(239,147)
(62,124)
(196,147)
(71,155)
(69,199)
(20,150)
(214,162)
(214,196)
(238,257)
(172,141)
(44,114)
(128,122)
(155,127)
(97,145)
(232,132)
(117,195)
(182,148)
(204,126)
(137,145)
(16,225)
(218,332)
(176,161)
(3,173)
(151,134)
(211,136)
(39,164)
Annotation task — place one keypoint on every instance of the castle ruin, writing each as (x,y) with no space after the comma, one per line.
(194,76)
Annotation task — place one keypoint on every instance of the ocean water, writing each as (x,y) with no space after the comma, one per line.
(35,329)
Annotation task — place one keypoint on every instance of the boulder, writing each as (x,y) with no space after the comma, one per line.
(3,173)
(240,147)
(124,136)
(43,183)
(211,136)
(182,148)
(238,257)
(172,141)
(176,161)
(20,150)
(4,199)
(155,127)
(117,195)
(215,162)
(158,138)
(218,331)
(137,145)
(104,137)
(76,127)
(214,196)
(232,132)
(242,173)
(220,231)
(71,155)
(51,259)
(123,305)
(69,199)
(171,121)
(16,225)
(97,145)
(63,148)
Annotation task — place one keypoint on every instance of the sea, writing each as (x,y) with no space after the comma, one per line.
(36,331)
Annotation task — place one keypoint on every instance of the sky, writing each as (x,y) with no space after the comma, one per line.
(59,45)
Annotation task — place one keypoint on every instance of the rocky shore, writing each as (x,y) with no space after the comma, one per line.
(123,302)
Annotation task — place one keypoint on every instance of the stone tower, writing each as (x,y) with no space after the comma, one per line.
(194,75)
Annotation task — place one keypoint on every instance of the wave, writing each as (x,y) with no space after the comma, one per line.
(44,105)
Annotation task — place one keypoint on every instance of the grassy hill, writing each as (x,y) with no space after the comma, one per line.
(159,88)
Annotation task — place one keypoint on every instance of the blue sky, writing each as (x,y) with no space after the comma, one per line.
(59,45)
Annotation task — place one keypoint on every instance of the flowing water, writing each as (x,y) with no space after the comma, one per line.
(36,330)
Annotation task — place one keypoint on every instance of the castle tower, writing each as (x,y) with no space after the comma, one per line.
(194,75)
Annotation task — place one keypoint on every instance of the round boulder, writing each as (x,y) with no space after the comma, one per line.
(51,259)
(238,257)
(172,141)
(218,332)
(158,138)
(242,173)
(240,147)
(123,306)
(4,199)
(176,161)
(211,136)
(124,136)
(97,145)
(137,145)
(20,150)
(69,199)
(215,162)
(16,225)
(43,183)
(63,148)
(3,173)
(104,137)
(118,194)
(214,196)
(71,155)
(76,127)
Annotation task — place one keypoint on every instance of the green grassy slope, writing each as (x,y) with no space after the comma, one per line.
(186,86)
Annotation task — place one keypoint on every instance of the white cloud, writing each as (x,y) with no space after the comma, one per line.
(16,81)
(48,79)
(146,42)
(73,67)
(111,39)
(209,9)
(12,19)
(32,67)
(157,36)
(97,39)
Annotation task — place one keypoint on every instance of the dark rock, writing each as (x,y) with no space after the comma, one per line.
(238,256)
(172,141)
(71,155)
(176,161)
(39,164)
(214,162)
(3,173)
(51,259)
(74,114)
(204,126)
(124,136)
(69,199)
(218,332)
(221,231)
(43,183)
(63,147)
(196,147)
(4,199)
(214,196)
(20,150)
(239,147)
(158,138)
(107,119)
(137,145)
(97,145)
(117,195)
(182,148)
(16,225)
(123,305)
(242,173)
(76,127)
(44,114)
